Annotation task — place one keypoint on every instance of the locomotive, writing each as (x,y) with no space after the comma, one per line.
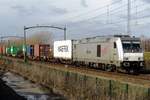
(110,53)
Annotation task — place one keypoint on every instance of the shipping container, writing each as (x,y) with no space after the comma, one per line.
(20,50)
(32,50)
(1,50)
(63,49)
(8,51)
(4,50)
(14,51)
(28,50)
(41,51)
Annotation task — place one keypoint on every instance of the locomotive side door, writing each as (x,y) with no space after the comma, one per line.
(113,53)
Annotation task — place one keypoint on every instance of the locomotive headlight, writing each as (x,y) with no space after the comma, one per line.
(140,58)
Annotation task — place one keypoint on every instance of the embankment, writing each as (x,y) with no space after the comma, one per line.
(79,84)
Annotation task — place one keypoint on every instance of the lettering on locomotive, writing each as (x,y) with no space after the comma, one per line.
(63,48)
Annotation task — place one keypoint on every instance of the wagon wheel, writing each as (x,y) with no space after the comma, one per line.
(103,67)
(113,68)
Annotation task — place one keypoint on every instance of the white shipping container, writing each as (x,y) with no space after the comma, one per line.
(63,49)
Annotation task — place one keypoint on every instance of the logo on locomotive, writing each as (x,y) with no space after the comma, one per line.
(63,48)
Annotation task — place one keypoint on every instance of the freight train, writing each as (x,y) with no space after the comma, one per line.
(109,53)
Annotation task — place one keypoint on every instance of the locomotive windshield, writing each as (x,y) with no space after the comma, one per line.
(131,46)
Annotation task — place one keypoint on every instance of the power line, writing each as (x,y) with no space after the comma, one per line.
(120,21)
(141,12)
(113,23)
(108,15)
(97,9)
(118,8)
(113,10)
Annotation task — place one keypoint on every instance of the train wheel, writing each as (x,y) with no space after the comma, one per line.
(76,64)
(108,68)
(127,71)
(103,67)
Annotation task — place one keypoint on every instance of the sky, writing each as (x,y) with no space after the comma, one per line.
(83,18)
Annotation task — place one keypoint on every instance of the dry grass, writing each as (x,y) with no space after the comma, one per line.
(147,56)
(147,60)
(79,86)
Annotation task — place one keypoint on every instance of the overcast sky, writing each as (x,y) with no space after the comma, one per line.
(83,18)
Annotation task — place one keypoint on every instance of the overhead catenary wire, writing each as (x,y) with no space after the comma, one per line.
(105,13)
(93,11)
(93,17)
(113,12)
(120,21)
(116,12)
(133,17)
(99,15)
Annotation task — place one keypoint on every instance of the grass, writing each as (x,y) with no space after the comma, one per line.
(147,60)
(147,56)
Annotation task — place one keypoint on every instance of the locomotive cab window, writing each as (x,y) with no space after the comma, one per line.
(115,46)
(98,50)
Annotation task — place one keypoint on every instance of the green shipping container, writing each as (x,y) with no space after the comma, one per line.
(17,50)
(14,50)
(8,50)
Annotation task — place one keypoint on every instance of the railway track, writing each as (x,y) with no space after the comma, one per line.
(145,77)
(141,78)
(117,75)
